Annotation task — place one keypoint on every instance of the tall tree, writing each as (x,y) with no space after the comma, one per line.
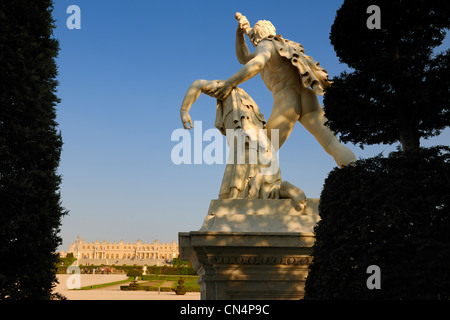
(391,213)
(30,148)
(398,88)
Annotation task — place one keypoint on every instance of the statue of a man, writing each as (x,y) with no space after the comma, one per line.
(294,79)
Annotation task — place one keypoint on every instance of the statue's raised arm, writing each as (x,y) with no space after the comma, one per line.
(242,52)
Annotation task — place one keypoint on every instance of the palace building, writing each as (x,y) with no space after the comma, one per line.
(120,253)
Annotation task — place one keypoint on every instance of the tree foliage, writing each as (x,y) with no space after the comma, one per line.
(392,212)
(398,87)
(30,147)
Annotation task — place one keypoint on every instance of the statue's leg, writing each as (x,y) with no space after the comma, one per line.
(314,122)
(284,115)
(313,119)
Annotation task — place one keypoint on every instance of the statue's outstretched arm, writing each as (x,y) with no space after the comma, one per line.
(197,87)
(263,53)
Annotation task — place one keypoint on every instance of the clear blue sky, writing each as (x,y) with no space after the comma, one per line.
(123,76)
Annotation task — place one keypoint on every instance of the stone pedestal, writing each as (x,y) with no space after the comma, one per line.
(252,249)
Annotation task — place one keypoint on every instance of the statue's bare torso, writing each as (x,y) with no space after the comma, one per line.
(278,72)
(292,100)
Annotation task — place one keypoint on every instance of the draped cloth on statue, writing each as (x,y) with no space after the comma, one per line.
(240,113)
(311,73)
(237,106)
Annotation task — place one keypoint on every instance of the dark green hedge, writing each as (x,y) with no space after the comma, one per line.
(392,212)
(136,270)
(165,270)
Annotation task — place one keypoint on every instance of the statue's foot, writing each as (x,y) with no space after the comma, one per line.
(300,204)
(344,156)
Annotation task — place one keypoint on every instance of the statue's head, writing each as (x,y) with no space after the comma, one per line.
(262,29)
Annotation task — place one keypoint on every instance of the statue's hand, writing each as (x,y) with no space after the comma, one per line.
(274,192)
(186,120)
(211,90)
(223,91)
(244,25)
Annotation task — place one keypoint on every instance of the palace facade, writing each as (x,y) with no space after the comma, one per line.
(150,253)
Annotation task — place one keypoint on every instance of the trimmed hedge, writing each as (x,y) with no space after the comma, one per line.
(392,212)
(155,283)
(166,270)
(136,270)
(152,277)
(160,289)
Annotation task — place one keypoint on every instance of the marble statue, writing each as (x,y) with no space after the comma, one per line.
(245,179)
(294,80)
(257,237)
